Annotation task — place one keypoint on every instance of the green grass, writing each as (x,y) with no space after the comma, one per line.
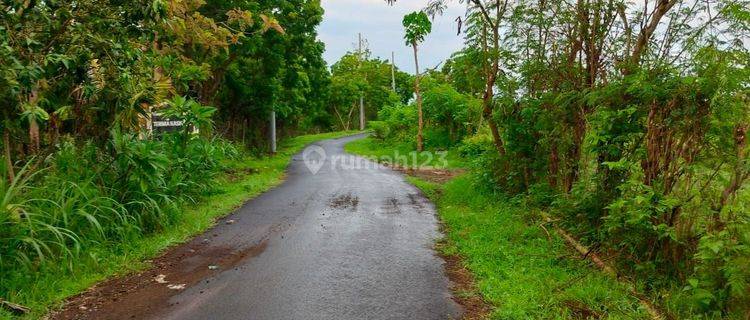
(387,153)
(519,269)
(47,288)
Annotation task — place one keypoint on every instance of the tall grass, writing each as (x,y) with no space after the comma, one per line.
(82,196)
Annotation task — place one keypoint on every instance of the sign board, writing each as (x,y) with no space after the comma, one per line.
(160,124)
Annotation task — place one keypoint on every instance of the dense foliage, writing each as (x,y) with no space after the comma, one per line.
(628,120)
(449,115)
(83,67)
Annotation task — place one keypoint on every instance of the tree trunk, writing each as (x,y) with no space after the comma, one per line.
(739,176)
(244,131)
(487,109)
(661,9)
(34,142)
(420,139)
(8,160)
(489,95)
(452,131)
(491,71)
(487,112)
(554,165)
(574,155)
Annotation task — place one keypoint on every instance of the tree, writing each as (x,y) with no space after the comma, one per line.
(417,25)
(490,18)
(285,73)
(356,74)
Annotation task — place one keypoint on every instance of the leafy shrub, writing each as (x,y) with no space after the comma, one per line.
(451,111)
(437,139)
(380,129)
(541,195)
(448,118)
(476,145)
(400,120)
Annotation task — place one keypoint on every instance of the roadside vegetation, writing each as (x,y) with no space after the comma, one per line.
(626,123)
(520,266)
(523,271)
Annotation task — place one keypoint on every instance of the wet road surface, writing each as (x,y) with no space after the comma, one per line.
(353,241)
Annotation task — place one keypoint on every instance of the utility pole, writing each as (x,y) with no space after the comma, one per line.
(361,94)
(393,71)
(273,131)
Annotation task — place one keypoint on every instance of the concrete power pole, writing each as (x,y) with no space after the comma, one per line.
(393,71)
(361,94)
(273,131)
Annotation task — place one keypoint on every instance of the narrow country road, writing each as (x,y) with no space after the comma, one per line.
(344,243)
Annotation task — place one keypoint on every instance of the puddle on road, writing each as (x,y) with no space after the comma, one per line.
(344,201)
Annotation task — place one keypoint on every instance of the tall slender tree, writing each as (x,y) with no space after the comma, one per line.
(417,25)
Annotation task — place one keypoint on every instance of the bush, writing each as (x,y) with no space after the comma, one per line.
(380,129)
(475,145)
(400,120)
(451,111)
(437,139)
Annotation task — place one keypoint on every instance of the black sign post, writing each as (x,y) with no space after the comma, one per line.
(160,124)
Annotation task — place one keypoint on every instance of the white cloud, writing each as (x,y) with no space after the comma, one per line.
(381,25)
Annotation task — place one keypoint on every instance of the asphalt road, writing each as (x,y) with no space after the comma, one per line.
(349,242)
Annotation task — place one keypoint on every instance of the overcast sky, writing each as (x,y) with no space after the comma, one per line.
(380,24)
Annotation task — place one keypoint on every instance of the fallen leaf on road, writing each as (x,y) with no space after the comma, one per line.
(176,286)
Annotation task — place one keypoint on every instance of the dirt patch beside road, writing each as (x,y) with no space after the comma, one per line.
(464,288)
(140,295)
(430,174)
